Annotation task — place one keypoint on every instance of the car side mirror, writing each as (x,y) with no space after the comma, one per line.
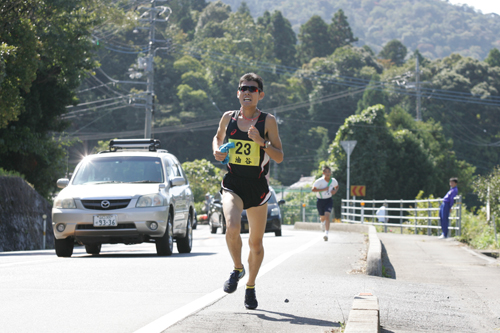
(281,202)
(62,182)
(177,181)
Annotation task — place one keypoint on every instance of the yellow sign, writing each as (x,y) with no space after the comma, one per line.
(358,190)
(244,153)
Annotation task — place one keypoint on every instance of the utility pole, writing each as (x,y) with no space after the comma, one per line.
(419,116)
(154,14)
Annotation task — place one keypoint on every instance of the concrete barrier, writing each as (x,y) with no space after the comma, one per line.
(374,255)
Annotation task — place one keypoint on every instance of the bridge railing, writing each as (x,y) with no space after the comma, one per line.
(410,214)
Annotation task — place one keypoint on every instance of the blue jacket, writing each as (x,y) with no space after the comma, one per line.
(449,198)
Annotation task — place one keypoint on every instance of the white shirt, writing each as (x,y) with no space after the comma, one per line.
(381,214)
(322,183)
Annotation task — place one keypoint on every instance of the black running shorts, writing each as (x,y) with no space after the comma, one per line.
(253,192)
(324,206)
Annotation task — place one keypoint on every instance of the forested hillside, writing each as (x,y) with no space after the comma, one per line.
(435,27)
(319,82)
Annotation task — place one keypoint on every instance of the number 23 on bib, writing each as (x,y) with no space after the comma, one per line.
(244,153)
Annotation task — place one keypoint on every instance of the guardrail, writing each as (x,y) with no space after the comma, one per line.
(416,214)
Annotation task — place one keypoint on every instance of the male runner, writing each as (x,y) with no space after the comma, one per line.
(245,186)
(325,187)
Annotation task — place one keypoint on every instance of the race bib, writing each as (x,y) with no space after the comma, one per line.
(244,153)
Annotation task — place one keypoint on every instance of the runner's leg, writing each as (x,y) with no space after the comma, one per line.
(257,218)
(327,221)
(233,206)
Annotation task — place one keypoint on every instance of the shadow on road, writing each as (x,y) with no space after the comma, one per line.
(386,263)
(296,320)
(141,255)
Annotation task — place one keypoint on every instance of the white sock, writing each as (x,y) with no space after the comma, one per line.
(326,232)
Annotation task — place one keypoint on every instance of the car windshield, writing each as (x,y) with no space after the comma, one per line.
(272,199)
(120,169)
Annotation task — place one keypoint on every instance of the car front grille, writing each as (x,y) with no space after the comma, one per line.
(91,227)
(113,204)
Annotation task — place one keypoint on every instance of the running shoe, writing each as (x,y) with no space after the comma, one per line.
(250,299)
(325,237)
(231,284)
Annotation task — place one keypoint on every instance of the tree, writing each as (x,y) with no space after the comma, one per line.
(284,37)
(339,31)
(313,40)
(60,56)
(204,178)
(394,51)
(244,9)
(395,156)
(487,189)
(493,58)
(18,56)
(373,95)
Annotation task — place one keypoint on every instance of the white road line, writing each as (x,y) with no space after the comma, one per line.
(175,316)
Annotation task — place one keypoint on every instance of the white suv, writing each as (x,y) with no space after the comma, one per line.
(126,196)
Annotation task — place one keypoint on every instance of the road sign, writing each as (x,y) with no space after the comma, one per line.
(348,146)
(358,190)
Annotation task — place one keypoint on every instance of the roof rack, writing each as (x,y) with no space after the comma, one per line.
(151,144)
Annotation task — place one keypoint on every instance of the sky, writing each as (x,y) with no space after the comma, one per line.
(486,6)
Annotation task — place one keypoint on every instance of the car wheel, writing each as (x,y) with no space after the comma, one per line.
(213,229)
(64,247)
(277,233)
(185,244)
(223,223)
(93,249)
(165,244)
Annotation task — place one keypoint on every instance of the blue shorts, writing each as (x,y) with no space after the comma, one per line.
(324,205)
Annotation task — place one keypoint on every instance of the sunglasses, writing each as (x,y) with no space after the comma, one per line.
(251,89)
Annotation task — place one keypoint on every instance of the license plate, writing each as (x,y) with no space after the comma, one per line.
(105,221)
(245,226)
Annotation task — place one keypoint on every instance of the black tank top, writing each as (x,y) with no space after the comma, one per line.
(247,159)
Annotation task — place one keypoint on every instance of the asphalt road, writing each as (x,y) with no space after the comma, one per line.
(131,289)
(305,285)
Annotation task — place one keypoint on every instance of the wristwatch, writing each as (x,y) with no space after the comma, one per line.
(267,143)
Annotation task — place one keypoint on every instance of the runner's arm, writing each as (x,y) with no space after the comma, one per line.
(275,150)
(219,137)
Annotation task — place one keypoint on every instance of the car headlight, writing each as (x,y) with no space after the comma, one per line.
(275,211)
(150,200)
(64,203)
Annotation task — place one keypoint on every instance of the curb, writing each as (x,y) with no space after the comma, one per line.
(365,314)
(374,256)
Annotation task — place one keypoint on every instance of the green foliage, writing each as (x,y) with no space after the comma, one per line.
(204,178)
(53,47)
(394,51)
(283,35)
(493,58)
(436,28)
(477,232)
(312,40)
(487,189)
(339,31)
(386,154)
(7,173)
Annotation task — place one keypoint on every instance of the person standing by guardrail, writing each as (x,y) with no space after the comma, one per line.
(325,187)
(245,186)
(445,209)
